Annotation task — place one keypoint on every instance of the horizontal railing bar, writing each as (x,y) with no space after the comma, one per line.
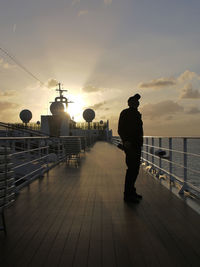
(30,173)
(173,162)
(188,137)
(172,150)
(31,161)
(23,137)
(30,150)
(157,136)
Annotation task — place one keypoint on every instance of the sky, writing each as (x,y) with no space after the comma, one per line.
(103,52)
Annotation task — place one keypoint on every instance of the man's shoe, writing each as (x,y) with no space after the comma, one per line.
(131,199)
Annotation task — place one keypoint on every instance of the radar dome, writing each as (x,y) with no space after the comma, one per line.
(25,115)
(88,115)
(57,108)
(101,122)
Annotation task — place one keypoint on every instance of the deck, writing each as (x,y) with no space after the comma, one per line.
(77,217)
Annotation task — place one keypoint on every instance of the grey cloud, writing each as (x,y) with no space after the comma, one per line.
(158,83)
(52,83)
(189,92)
(163,109)
(4,106)
(14,27)
(91,88)
(74,2)
(6,65)
(107,2)
(83,12)
(8,93)
(193,110)
(98,105)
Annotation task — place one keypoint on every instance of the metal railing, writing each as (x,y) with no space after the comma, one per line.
(31,157)
(23,159)
(174,159)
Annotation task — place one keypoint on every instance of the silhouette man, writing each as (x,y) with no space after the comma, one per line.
(130,129)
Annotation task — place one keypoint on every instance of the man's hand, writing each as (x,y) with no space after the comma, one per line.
(127,145)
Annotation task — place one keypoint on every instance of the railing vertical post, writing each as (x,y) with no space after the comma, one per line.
(147,148)
(39,150)
(160,145)
(28,148)
(170,161)
(58,148)
(185,159)
(13,146)
(47,153)
(152,144)
(184,187)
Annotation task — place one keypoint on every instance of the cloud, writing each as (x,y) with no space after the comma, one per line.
(165,109)
(158,83)
(107,2)
(83,12)
(4,106)
(187,75)
(193,110)
(189,92)
(90,88)
(6,65)
(14,27)
(8,93)
(52,83)
(74,2)
(98,105)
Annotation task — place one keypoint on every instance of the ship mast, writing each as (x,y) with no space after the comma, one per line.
(62,98)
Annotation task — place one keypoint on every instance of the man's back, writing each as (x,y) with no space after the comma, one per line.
(130,127)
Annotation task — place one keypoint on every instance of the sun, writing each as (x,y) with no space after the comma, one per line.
(76,108)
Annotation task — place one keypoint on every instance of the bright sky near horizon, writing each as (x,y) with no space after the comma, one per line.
(104,51)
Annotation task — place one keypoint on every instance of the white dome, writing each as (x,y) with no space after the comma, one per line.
(25,115)
(57,108)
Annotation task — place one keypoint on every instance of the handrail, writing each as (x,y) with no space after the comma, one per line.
(32,156)
(175,158)
(177,151)
(22,137)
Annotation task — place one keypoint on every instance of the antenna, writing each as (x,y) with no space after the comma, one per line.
(62,98)
(60,90)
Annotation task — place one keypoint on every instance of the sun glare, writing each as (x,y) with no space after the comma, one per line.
(76,108)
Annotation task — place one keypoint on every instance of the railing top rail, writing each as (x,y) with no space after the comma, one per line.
(69,136)
(22,137)
(173,150)
(188,137)
(151,136)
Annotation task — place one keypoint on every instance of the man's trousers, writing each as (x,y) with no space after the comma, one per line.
(133,156)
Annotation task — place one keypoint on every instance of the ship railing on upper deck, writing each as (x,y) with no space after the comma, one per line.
(31,157)
(23,159)
(176,160)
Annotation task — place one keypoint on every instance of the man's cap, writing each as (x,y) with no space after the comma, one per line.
(136,97)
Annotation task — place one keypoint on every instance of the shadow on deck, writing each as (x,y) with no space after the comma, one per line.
(77,217)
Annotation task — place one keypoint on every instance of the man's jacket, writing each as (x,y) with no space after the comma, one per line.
(130,126)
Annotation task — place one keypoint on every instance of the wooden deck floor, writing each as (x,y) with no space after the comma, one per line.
(77,217)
